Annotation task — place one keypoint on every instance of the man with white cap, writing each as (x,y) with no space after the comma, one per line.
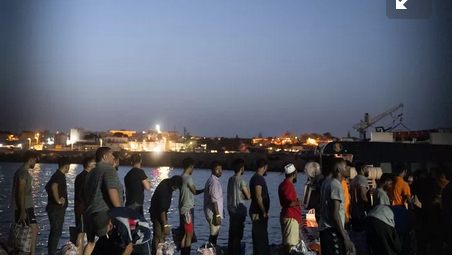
(291,215)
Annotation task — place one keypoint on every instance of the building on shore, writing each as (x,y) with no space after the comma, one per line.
(129,133)
(60,140)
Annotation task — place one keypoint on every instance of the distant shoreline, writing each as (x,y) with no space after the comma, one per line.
(173,159)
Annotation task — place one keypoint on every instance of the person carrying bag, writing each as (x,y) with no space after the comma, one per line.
(20,236)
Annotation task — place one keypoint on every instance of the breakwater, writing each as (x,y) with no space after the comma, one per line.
(173,159)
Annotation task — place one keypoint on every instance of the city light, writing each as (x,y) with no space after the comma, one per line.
(312,142)
(158,128)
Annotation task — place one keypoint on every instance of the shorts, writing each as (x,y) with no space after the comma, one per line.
(31,219)
(331,242)
(290,231)
(158,229)
(186,220)
(96,224)
(214,230)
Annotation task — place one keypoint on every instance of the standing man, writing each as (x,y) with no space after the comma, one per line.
(160,204)
(441,176)
(334,239)
(186,205)
(237,192)
(291,214)
(213,202)
(346,192)
(381,192)
(57,203)
(102,191)
(136,183)
(359,202)
(21,200)
(88,165)
(401,189)
(259,209)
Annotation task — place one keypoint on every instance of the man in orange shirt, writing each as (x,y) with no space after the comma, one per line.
(346,192)
(400,192)
(347,200)
(441,176)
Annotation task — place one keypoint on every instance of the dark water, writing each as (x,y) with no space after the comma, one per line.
(43,172)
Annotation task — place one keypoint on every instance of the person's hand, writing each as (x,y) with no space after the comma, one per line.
(62,201)
(265,215)
(299,201)
(218,221)
(166,230)
(349,247)
(23,215)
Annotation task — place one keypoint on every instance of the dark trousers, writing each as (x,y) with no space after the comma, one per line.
(236,227)
(260,235)
(382,239)
(56,221)
(332,242)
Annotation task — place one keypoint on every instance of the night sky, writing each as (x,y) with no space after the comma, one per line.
(221,68)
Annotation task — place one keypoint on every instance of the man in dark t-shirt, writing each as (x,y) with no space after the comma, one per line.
(88,165)
(57,203)
(259,209)
(160,204)
(136,182)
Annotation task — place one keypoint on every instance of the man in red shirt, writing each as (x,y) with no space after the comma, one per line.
(291,215)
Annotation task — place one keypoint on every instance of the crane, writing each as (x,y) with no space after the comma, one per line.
(368,122)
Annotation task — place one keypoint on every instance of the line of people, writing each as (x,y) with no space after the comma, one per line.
(100,212)
(347,218)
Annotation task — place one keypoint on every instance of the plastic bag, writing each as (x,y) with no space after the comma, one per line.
(301,249)
(69,249)
(310,220)
(206,249)
(20,236)
(166,249)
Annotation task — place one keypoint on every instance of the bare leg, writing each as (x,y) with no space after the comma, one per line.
(80,242)
(156,242)
(186,244)
(33,242)
(89,248)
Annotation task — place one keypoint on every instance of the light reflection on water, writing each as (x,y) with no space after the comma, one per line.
(43,172)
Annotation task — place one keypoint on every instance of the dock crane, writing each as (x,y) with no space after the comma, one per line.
(368,122)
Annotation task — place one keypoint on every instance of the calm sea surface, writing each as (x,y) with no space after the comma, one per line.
(43,172)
